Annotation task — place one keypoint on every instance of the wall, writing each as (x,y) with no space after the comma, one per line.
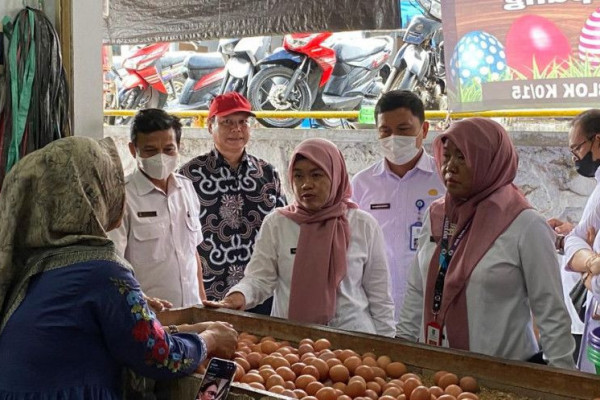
(546,173)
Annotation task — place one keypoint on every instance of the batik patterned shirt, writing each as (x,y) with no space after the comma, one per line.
(233,204)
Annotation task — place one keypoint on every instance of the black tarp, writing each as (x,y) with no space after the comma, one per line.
(144,21)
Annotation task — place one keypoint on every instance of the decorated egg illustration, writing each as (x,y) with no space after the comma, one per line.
(533,38)
(478,56)
(589,39)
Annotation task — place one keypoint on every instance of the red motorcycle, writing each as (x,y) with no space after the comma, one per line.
(153,77)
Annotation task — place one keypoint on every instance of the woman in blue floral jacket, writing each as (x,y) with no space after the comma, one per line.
(71,312)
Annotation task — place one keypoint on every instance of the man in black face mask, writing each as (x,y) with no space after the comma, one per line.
(584,142)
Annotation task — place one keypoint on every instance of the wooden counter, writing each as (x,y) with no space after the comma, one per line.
(520,378)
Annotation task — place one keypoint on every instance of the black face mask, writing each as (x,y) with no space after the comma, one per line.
(587,166)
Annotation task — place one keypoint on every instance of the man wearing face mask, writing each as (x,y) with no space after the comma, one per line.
(397,189)
(582,250)
(161,227)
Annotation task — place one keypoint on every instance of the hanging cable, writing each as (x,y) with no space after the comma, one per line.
(37,106)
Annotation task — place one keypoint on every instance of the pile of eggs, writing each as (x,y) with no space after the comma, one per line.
(313,371)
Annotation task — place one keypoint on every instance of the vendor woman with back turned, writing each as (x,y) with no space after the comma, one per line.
(321,258)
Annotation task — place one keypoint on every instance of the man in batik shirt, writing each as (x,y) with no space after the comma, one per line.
(236,191)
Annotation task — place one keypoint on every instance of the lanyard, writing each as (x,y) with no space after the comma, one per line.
(445,258)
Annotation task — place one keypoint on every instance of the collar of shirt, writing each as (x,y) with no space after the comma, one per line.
(144,185)
(220,161)
(426,163)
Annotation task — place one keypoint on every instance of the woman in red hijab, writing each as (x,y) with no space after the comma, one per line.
(486,260)
(321,258)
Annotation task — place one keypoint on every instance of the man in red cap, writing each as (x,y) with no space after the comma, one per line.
(236,191)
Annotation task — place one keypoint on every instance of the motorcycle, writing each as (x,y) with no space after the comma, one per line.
(229,69)
(153,76)
(419,64)
(309,74)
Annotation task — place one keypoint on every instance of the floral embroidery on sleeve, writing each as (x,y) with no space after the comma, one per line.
(148,330)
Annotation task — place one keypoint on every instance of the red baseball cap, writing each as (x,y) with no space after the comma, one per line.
(229,103)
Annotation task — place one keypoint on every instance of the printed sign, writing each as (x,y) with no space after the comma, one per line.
(508,54)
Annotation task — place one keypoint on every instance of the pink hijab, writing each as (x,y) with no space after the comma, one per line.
(493,205)
(320,263)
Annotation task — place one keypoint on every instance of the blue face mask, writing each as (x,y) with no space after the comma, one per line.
(587,166)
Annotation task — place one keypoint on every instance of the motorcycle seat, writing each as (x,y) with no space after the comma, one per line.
(204,61)
(355,49)
(173,58)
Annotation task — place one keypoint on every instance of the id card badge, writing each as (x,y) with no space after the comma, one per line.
(433,334)
(415,232)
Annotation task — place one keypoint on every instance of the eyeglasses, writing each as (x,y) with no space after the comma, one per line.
(575,149)
(230,124)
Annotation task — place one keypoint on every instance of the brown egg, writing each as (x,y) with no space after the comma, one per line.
(266,373)
(274,380)
(339,373)
(257,385)
(286,373)
(322,367)
(242,362)
(284,350)
(438,375)
(321,344)
(311,370)
(446,397)
(268,346)
(355,388)
(397,382)
(395,369)
(383,361)
(326,393)
(313,387)
(369,354)
(469,384)
(409,385)
(345,354)
(420,393)
(380,381)
(365,371)
(370,361)
(276,389)
(297,368)
(327,355)
(344,397)
(409,375)
(239,373)
(308,359)
(267,338)
(392,391)
(371,394)
(352,363)
(377,371)
(305,348)
(265,366)
(277,362)
(357,378)
(306,340)
(252,377)
(333,361)
(470,396)
(291,358)
(403,397)
(289,393)
(448,379)
(266,360)
(303,380)
(254,358)
(289,385)
(300,393)
(454,390)
(436,391)
(374,386)
(256,347)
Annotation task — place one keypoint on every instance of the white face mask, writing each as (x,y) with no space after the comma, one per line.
(159,166)
(399,149)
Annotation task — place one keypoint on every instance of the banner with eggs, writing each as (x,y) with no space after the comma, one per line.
(510,54)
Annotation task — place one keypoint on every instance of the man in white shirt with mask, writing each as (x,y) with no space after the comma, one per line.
(161,226)
(397,189)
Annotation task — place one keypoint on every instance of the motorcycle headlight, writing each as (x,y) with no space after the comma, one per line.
(436,10)
(293,42)
(132,63)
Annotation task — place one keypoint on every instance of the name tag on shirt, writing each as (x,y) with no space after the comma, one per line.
(293,251)
(381,206)
(147,214)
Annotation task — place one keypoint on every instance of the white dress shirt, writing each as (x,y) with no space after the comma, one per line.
(159,235)
(517,276)
(399,205)
(363,302)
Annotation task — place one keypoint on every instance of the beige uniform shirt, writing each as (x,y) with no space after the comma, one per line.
(159,235)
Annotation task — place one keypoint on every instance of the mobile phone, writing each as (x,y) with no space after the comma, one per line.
(217,379)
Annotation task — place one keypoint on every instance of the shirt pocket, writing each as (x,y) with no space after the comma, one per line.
(194,230)
(150,242)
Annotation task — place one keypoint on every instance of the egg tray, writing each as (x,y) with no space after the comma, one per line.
(499,378)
